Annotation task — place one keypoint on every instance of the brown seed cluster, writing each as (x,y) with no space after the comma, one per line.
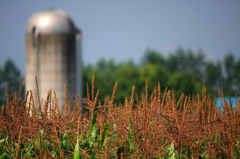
(142,127)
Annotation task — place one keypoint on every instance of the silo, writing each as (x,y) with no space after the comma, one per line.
(53,54)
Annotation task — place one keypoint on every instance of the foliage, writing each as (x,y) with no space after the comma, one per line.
(184,65)
(190,67)
(184,82)
(150,126)
(153,74)
(9,78)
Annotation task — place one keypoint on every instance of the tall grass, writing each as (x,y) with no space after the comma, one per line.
(154,125)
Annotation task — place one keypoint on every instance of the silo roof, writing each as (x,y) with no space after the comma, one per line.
(50,21)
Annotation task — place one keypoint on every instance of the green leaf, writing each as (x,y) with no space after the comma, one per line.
(114,127)
(76,151)
(149,125)
(204,155)
(104,134)
(3,155)
(92,130)
(87,143)
(216,138)
(42,130)
(2,140)
(131,123)
(172,151)
(132,145)
(2,148)
(68,127)
(197,141)
(66,145)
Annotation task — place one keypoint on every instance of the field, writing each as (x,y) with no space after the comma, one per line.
(153,125)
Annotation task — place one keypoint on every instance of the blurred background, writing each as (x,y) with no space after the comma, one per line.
(179,43)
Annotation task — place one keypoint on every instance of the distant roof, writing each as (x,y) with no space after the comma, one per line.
(220,103)
(50,21)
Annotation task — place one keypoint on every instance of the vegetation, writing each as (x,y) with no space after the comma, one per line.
(181,71)
(9,77)
(152,125)
(128,123)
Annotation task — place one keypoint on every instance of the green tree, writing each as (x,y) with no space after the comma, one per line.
(104,77)
(213,77)
(183,71)
(229,62)
(229,86)
(153,74)
(237,76)
(153,57)
(2,91)
(128,76)
(184,82)
(9,78)
(172,63)
(187,60)
(104,65)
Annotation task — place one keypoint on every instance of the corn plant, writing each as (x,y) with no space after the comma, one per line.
(150,125)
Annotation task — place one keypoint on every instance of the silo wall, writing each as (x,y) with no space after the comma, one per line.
(53,61)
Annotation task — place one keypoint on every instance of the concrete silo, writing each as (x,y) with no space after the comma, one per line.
(53,54)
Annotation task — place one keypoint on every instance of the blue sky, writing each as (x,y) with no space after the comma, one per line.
(124,29)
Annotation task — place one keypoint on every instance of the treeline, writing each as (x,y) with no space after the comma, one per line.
(182,71)
(9,78)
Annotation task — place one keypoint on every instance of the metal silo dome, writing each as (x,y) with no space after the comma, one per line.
(53,54)
(50,21)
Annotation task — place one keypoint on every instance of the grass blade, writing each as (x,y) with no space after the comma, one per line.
(76,151)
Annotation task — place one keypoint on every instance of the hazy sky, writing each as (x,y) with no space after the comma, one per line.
(124,29)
